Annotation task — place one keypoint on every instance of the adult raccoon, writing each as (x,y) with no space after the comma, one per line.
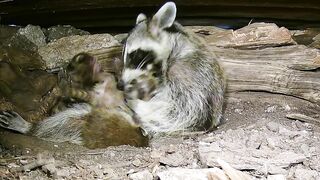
(190,86)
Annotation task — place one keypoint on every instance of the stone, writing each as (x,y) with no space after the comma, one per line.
(175,159)
(276,177)
(305,174)
(271,109)
(142,175)
(192,174)
(61,51)
(136,162)
(49,168)
(34,34)
(60,31)
(285,159)
(272,126)
(61,173)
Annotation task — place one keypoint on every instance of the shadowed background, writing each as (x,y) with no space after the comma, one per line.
(119,15)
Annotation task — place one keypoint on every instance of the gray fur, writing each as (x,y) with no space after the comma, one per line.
(64,126)
(191,94)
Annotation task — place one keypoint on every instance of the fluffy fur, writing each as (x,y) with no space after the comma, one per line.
(191,93)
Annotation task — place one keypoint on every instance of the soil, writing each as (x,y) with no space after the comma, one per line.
(256,138)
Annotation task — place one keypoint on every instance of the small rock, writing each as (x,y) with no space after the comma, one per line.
(304,174)
(272,126)
(285,159)
(271,109)
(131,171)
(171,149)
(300,125)
(175,160)
(58,52)
(276,177)
(239,111)
(287,107)
(142,175)
(23,161)
(305,149)
(13,165)
(136,162)
(156,154)
(62,173)
(192,174)
(49,169)
(109,173)
(57,32)
(276,170)
(33,34)
(289,133)
(271,143)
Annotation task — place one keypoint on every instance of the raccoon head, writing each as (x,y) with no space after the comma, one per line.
(148,38)
(148,45)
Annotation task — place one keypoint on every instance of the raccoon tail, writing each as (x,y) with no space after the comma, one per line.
(64,126)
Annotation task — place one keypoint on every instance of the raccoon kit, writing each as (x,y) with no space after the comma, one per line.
(188,86)
(103,119)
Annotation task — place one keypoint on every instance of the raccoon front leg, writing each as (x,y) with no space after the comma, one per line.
(13,121)
(143,87)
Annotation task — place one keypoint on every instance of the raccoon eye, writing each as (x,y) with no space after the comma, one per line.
(139,59)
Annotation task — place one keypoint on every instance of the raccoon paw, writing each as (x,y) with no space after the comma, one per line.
(143,88)
(13,121)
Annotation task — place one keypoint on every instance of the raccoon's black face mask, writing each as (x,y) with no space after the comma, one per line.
(145,61)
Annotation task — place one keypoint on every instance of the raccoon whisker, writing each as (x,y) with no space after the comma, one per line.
(144,60)
(141,64)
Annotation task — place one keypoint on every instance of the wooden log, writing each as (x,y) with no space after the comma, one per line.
(270,70)
(256,35)
(264,57)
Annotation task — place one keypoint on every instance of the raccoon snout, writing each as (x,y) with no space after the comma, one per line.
(120,85)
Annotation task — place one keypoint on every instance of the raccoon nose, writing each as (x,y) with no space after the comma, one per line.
(120,85)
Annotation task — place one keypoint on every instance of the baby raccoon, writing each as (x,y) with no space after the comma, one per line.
(189,84)
(104,119)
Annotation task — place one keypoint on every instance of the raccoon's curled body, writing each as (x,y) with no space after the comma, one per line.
(191,86)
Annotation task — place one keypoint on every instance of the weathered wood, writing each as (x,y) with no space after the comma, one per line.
(256,35)
(303,118)
(270,70)
(264,57)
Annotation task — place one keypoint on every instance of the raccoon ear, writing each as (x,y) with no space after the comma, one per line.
(141,17)
(164,18)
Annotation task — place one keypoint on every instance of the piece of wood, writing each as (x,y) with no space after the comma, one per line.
(303,118)
(264,57)
(269,70)
(253,36)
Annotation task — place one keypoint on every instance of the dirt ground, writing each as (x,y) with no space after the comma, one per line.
(256,137)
